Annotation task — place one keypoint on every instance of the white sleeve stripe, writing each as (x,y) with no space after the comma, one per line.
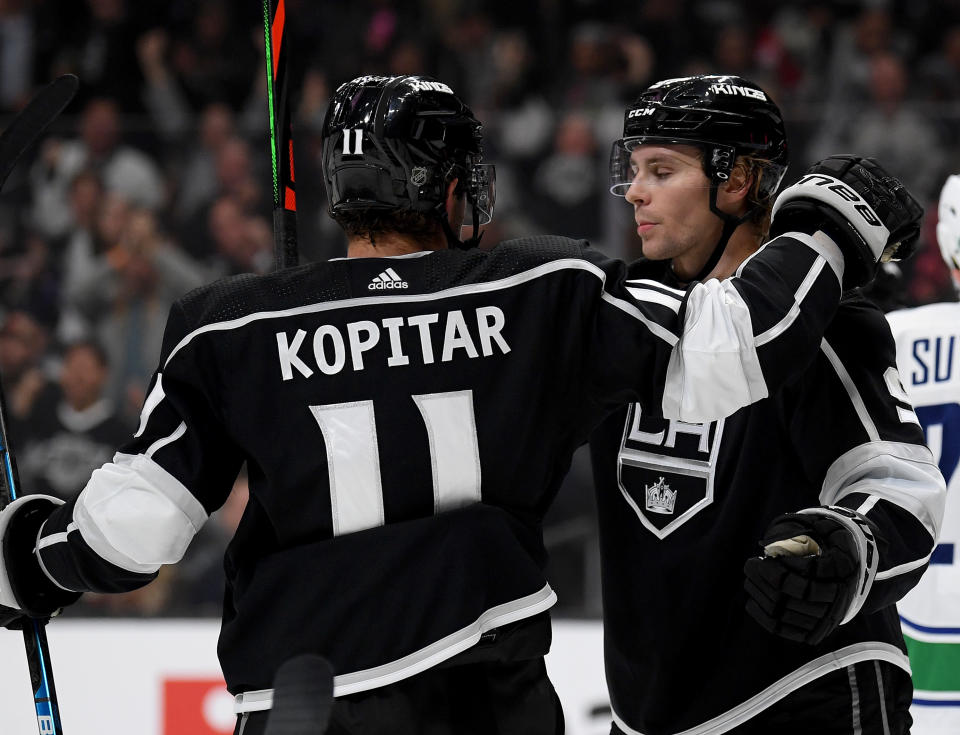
(903,568)
(780,327)
(45,542)
(161,443)
(136,515)
(868,504)
(153,400)
(679,293)
(656,329)
(900,473)
(852,391)
(655,297)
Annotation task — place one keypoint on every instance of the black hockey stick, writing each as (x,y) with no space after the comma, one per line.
(19,136)
(277,54)
(302,697)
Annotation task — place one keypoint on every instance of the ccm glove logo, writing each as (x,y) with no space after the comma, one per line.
(845,193)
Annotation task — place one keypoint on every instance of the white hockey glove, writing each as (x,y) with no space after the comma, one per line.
(25,590)
(818,568)
(866,211)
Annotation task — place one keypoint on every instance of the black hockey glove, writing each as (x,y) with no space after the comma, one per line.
(25,590)
(817,569)
(866,211)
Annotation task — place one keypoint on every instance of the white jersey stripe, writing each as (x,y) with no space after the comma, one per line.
(780,327)
(830,662)
(852,392)
(161,443)
(153,400)
(655,297)
(323,306)
(360,681)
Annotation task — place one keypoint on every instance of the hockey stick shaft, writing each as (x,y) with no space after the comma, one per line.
(277,54)
(20,135)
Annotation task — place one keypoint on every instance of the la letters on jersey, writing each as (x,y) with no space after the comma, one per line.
(425,338)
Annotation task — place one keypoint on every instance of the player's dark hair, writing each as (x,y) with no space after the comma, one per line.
(373,223)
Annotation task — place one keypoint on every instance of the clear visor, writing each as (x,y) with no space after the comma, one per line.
(622,170)
(483,186)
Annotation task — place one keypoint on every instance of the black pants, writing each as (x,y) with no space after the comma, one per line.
(869,698)
(491,698)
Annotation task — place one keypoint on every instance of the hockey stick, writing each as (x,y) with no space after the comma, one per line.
(277,53)
(302,697)
(16,139)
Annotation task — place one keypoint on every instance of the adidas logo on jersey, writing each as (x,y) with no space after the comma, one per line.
(660,498)
(387,280)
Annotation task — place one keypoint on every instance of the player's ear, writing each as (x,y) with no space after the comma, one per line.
(733,194)
(454,200)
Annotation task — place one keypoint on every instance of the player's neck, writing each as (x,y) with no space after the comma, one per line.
(743,243)
(392,243)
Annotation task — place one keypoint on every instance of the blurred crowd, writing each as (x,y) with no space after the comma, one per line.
(157,178)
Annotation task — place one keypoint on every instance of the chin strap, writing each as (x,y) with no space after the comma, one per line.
(452,240)
(730,224)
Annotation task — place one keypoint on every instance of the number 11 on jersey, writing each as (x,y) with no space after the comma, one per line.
(353,458)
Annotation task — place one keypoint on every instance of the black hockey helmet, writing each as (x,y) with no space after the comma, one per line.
(396,143)
(725,116)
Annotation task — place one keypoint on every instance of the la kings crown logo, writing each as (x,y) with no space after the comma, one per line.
(660,498)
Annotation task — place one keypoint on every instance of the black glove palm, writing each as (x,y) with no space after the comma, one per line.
(804,598)
(866,211)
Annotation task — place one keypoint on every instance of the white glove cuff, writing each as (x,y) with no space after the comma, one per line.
(867,553)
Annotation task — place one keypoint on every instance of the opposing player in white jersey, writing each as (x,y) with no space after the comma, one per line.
(928,357)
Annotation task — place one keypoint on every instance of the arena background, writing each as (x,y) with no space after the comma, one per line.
(157,179)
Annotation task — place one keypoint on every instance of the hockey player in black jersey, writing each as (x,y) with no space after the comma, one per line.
(751,564)
(406,415)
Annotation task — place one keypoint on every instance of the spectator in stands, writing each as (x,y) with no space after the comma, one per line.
(28,391)
(122,168)
(125,300)
(59,449)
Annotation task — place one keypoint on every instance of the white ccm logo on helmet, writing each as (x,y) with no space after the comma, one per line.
(736,90)
(641,112)
(421,85)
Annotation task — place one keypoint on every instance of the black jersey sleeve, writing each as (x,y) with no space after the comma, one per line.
(860,439)
(719,345)
(141,510)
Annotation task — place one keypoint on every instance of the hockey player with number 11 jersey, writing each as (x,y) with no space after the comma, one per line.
(406,415)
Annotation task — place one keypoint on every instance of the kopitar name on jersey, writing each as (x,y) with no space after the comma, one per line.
(413,336)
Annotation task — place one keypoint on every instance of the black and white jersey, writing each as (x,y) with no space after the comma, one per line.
(405,422)
(683,505)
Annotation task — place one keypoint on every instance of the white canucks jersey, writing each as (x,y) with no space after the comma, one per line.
(928,357)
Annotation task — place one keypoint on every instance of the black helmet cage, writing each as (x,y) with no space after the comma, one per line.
(396,143)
